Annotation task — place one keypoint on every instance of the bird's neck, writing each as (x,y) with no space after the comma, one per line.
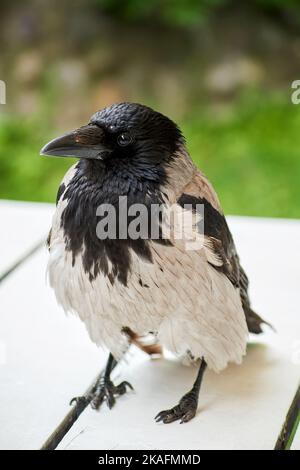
(103,182)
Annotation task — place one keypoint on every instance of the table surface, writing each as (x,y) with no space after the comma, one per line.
(46,357)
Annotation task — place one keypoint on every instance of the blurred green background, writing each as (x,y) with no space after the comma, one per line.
(221,69)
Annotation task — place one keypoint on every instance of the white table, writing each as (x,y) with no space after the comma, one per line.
(47,358)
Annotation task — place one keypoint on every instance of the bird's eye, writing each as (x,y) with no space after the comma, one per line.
(124,139)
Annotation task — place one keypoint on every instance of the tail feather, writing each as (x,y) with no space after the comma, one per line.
(255,322)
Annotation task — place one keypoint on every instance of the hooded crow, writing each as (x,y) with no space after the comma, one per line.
(126,279)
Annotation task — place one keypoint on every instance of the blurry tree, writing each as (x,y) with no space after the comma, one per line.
(222,69)
(183,12)
(177,12)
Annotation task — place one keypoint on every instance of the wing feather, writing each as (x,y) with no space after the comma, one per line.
(219,241)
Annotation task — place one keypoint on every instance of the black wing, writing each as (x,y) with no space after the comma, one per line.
(216,229)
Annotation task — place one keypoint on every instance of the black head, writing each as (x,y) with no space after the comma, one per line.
(121,132)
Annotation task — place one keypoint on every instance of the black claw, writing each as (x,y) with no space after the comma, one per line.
(185,411)
(121,388)
(164,416)
(110,400)
(97,399)
(106,391)
(188,416)
(78,400)
(158,417)
(128,384)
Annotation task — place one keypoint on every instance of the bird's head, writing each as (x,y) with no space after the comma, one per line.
(124,132)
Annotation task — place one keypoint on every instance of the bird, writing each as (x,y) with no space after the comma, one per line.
(193,302)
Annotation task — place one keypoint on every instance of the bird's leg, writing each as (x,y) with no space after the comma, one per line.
(104,388)
(187,407)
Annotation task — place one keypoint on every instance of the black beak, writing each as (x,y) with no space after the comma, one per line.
(85,142)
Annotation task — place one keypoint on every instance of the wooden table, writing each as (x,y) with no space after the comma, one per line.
(46,358)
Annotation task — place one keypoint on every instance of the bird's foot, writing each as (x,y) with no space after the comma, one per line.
(185,410)
(106,391)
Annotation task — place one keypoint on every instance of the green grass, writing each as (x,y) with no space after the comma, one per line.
(251,153)
(252,156)
(25,175)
